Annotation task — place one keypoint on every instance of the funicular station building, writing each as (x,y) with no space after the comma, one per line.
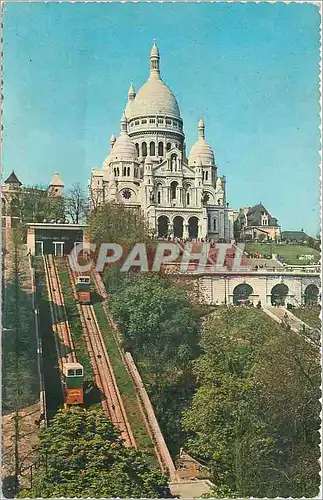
(54,238)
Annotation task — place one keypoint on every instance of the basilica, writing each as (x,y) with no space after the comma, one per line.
(148,167)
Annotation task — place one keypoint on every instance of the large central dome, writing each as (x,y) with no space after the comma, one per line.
(154,97)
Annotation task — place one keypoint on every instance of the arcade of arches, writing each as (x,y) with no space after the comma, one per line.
(266,288)
(178,228)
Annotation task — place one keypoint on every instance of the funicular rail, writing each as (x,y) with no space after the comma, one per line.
(103,372)
(63,338)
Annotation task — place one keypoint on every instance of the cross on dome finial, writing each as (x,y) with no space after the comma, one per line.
(154,61)
(201,128)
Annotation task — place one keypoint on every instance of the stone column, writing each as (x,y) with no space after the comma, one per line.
(185,230)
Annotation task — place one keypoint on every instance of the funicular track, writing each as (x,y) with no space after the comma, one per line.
(102,368)
(63,338)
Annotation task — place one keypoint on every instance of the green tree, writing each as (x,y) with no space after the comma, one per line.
(81,455)
(160,327)
(116,223)
(34,204)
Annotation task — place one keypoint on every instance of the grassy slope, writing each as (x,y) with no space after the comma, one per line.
(310,315)
(289,253)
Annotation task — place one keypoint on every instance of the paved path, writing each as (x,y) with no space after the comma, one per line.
(284,316)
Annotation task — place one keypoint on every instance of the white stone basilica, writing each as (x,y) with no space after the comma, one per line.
(147,167)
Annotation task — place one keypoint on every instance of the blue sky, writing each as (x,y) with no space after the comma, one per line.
(251,70)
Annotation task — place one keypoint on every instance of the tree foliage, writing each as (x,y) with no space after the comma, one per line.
(161,328)
(255,417)
(116,223)
(82,455)
(34,204)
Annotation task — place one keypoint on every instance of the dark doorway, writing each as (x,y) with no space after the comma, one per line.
(311,295)
(178,227)
(279,294)
(241,294)
(163,223)
(193,224)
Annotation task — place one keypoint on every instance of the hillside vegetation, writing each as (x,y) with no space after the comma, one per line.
(255,416)
(289,253)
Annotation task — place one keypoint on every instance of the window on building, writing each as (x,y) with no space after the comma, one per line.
(124,171)
(159,197)
(187,198)
(214,224)
(173,188)
(169,122)
(209,222)
(144,149)
(160,148)
(128,172)
(160,120)
(137,122)
(169,146)
(143,121)
(152,149)
(137,148)
(152,120)
(206,175)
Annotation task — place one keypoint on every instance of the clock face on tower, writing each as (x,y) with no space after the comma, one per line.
(126,193)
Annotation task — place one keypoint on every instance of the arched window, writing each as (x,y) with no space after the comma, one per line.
(152,149)
(173,188)
(160,149)
(137,148)
(206,175)
(214,224)
(118,172)
(187,198)
(128,171)
(124,171)
(159,197)
(168,146)
(209,222)
(144,149)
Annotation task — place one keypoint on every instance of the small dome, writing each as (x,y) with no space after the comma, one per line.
(123,149)
(201,149)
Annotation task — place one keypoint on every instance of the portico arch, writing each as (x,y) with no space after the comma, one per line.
(178,226)
(193,225)
(163,225)
(241,294)
(278,294)
(311,295)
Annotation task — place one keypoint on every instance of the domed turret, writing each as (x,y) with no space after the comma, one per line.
(124,148)
(154,97)
(201,149)
(112,140)
(131,98)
